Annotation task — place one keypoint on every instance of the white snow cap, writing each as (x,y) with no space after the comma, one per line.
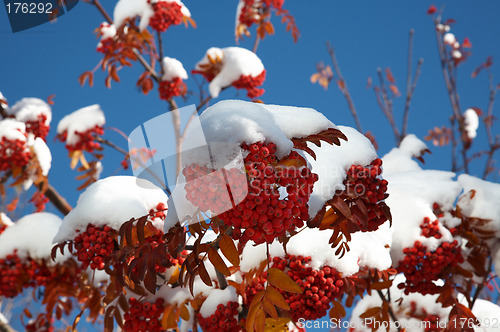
(3,100)
(173,69)
(29,109)
(412,193)
(43,155)
(80,121)
(12,130)
(107,30)
(111,202)
(400,159)
(31,235)
(484,203)
(5,220)
(216,297)
(368,249)
(236,61)
(449,39)
(471,122)
(131,8)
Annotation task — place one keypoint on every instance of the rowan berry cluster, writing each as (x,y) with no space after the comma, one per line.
(166,13)
(430,229)
(252,10)
(174,88)
(256,285)
(108,44)
(13,153)
(86,139)
(422,267)
(319,287)
(225,319)
(39,128)
(144,316)
(95,245)
(16,274)
(365,183)
(39,200)
(250,83)
(263,216)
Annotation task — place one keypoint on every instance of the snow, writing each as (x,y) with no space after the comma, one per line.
(173,69)
(216,297)
(412,192)
(449,38)
(471,123)
(107,30)
(29,109)
(400,159)
(12,130)
(3,100)
(483,204)
(131,8)
(111,201)
(236,61)
(488,314)
(43,155)
(31,235)
(5,220)
(333,161)
(80,121)
(456,54)
(368,249)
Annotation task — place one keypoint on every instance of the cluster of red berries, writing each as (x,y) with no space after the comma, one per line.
(261,216)
(421,267)
(225,319)
(319,287)
(166,13)
(13,153)
(39,200)
(16,274)
(256,285)
(250,83)
(365,183)
(39,128)
(208,189)
(251,11)
(174,88)
(106,45)
(86,139)
(430,229)
(95,245)
(144,316)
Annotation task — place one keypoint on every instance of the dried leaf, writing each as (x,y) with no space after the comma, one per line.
(281,280)
(275,297)
(228,248)
(218,262)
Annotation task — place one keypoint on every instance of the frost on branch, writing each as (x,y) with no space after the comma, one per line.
(172,84)
(234,66)
(160,14)
(471,123)
(35,113)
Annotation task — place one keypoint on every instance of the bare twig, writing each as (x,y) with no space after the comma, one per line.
(389,308)
(160,50)
(494,144)
(343,87)
(386,106)
(55,198)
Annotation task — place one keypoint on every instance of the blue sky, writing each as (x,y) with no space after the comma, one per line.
(366,34)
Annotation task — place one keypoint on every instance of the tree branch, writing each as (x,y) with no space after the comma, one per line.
(344,89)
(55,198)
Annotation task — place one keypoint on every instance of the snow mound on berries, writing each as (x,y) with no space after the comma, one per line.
(427,302)
(368,249)
(483,204)
(5,220)
(412,193)
(487,313)
(332,163)
(80,121)
(216,297)
(400,159)
(12,130)
(43,155)
(29,109)
(107,30)
(31,235)
(111,202)
(131,8)
(173,69)
(236,121)
(471,123)
(3,100)
(236,61)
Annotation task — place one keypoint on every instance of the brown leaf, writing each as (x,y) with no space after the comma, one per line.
(204,274)
(281,280)
(275,297)
(371,312)
(218,262)
(229,250)
(269,308)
